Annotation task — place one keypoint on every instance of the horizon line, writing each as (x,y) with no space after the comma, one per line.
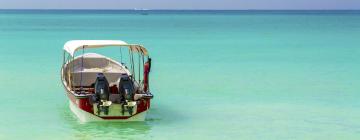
(145,9)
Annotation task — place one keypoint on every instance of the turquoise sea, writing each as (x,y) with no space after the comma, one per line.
(216,74)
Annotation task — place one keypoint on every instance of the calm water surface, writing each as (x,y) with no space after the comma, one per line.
(216,74)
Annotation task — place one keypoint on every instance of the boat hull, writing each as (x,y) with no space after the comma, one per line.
(88,117)
(85,112)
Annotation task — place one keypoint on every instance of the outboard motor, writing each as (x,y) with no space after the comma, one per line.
(127,92)
(102,93)
(126,88)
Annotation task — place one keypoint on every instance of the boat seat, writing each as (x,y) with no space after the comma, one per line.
(88,78)
(89,63)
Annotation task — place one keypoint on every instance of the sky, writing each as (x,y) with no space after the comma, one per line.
(182,4)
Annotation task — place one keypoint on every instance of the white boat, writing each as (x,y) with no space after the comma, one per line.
(102,89)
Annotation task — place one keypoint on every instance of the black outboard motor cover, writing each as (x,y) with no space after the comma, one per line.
(102,90)
(126,88)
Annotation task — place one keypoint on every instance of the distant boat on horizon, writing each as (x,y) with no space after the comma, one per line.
(143,11)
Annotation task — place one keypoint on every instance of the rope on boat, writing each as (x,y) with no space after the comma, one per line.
(132,64)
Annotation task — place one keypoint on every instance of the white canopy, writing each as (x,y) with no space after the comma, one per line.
(72,46)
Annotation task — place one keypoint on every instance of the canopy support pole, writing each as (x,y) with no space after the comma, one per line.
(133,65)
(139,66)
(82,69)
(143,63)
(72,77)
(121,58)
(131,62)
